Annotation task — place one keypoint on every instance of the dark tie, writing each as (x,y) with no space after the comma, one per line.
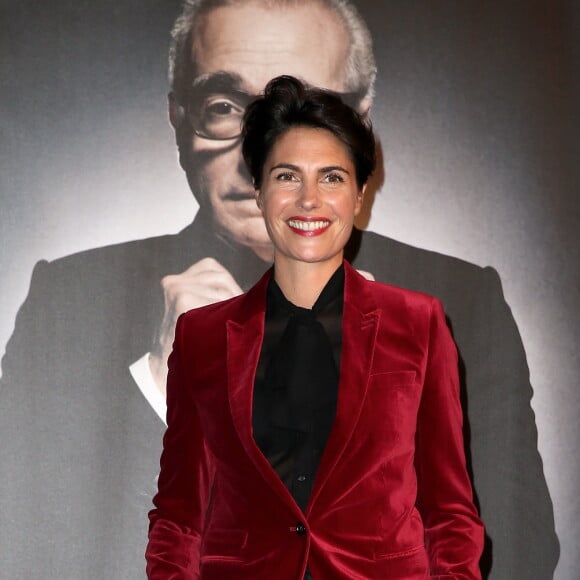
(300,368)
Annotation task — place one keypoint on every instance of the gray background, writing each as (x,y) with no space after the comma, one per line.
(477,114)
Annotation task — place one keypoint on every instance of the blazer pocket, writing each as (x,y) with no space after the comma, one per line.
(411,563)
(385,555)
(224,544)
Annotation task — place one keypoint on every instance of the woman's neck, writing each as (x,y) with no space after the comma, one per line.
(302,282)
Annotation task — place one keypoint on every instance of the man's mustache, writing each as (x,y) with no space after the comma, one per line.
(239,196)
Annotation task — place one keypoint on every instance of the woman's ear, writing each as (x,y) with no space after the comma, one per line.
(360,195)
(258,198)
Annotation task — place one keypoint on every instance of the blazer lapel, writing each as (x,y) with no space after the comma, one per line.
(245,334)
(359,331)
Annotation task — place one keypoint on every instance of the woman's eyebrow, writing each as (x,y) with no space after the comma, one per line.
(324,169)
(285,166)
(333,168)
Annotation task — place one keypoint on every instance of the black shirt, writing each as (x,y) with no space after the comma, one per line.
(296,386)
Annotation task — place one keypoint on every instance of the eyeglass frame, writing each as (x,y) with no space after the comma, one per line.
(229,84)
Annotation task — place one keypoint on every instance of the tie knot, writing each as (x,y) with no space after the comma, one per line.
(304,316)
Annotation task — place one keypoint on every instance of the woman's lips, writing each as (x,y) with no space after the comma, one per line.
(308,226)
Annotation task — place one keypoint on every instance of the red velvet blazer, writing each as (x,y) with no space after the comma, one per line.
(391,498)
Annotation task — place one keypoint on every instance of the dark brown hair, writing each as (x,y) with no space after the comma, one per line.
(288,103)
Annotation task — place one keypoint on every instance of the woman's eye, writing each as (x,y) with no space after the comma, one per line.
(285,176)
(334,178)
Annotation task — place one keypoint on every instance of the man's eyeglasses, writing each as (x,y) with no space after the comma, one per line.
(218,114)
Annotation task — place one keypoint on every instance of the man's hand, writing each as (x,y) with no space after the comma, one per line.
(206,282)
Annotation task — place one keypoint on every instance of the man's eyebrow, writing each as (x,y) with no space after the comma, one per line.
(218,82)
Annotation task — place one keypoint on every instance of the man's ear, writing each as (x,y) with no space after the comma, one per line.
(182,132)
(364,108)
(176,112)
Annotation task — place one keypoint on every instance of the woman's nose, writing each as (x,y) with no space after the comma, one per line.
(309,196)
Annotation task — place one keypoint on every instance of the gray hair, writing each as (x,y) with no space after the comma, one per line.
(360,64)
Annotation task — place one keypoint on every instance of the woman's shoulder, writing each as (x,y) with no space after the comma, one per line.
(410,296)
(395,302)
(386,292)
(414,303)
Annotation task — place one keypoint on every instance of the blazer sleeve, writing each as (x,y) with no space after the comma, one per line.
(185,480)
(453,530)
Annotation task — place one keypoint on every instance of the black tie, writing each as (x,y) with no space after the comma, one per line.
(301,365)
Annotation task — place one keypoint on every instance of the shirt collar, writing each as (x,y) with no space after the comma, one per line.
(332,295)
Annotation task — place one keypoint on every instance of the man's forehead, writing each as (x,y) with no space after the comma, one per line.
(252,43)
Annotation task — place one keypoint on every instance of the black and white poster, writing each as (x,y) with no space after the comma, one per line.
(475,106)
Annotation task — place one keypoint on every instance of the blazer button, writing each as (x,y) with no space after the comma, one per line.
(300,529)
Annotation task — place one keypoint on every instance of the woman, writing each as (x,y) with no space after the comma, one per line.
(314,425)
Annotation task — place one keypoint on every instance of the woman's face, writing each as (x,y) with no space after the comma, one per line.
(309,196)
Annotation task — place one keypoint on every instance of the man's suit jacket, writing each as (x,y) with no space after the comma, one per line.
(80,444)
(391,497)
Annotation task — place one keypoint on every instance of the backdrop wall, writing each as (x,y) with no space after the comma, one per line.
(477,115)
